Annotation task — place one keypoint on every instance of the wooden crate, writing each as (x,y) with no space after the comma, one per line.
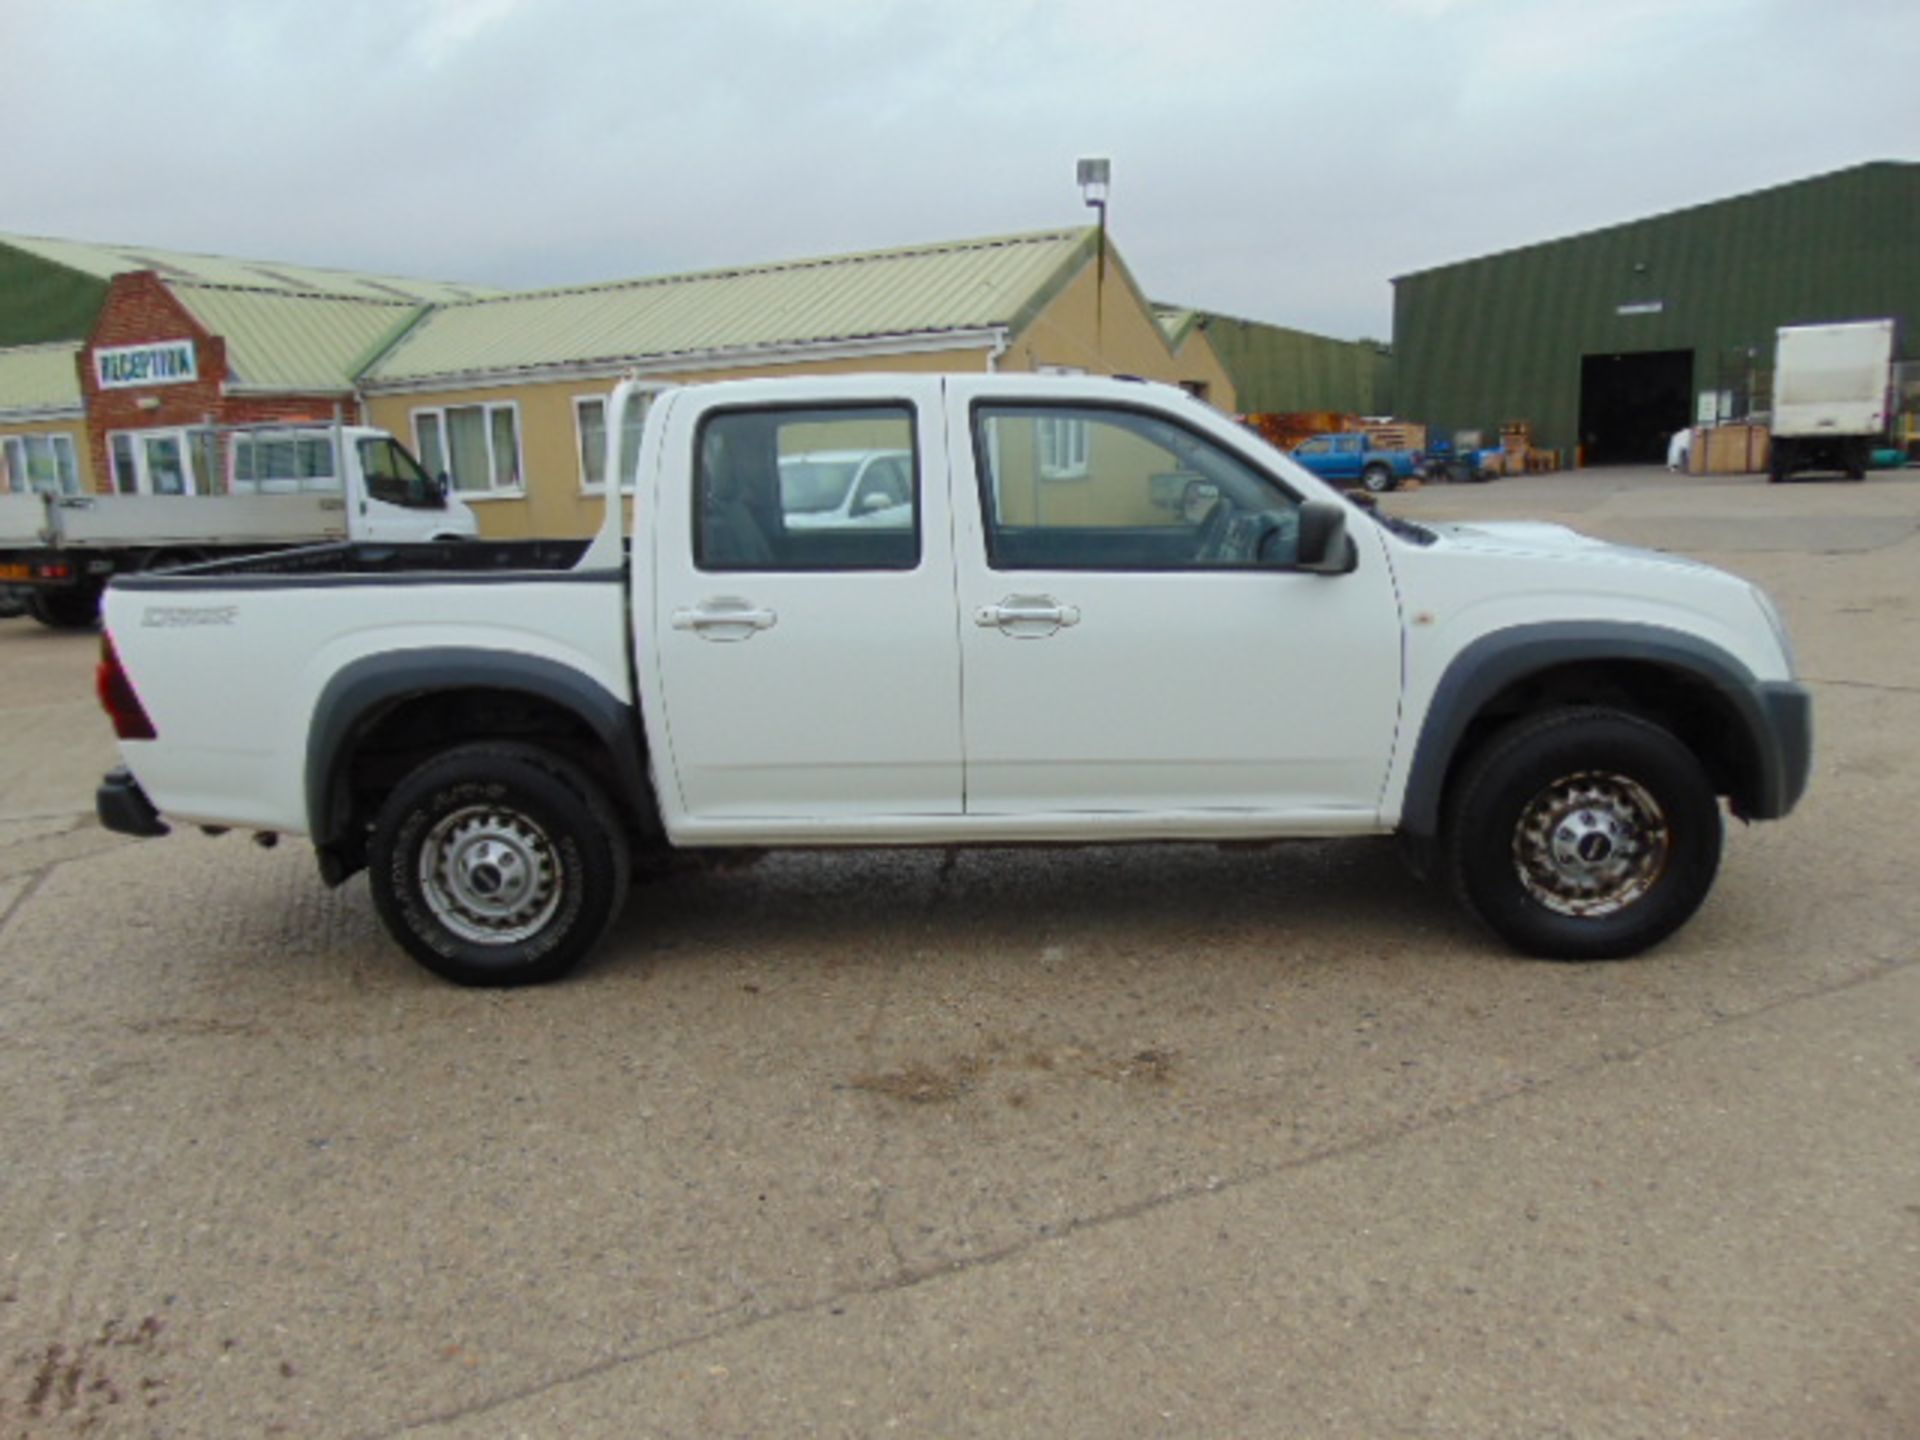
(1729,450)
(1395,435)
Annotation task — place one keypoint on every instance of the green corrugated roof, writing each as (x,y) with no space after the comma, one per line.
(921,290)
(39,379)
(105,261)
(282,341)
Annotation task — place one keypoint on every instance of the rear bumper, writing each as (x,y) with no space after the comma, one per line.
(123,806)
(1784,739)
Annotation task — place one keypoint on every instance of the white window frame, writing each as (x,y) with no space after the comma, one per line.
(17,469)
(580,402)
(436,415)
(1062,444)
(181,435)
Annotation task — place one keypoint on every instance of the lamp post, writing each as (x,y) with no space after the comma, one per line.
(1095,175)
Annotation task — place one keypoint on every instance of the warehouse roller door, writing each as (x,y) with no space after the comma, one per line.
(1630,405)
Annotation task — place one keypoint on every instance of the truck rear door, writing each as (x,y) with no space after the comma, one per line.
(806,656)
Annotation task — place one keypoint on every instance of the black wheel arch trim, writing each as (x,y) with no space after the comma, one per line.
(1777,715)
(368,688)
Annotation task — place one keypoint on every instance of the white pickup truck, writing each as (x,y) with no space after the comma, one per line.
(213,492)
(1062,646)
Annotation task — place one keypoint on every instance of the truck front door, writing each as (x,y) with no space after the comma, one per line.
(807,660)
(1133,641)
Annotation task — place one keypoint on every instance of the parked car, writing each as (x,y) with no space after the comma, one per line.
(1350,460)
(825,489)
(1105,651)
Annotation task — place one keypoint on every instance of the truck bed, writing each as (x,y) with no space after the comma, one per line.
(372,559)
(232,753)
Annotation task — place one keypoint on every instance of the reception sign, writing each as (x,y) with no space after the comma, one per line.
(168,362)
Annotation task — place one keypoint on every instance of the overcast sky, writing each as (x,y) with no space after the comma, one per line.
(1275,160)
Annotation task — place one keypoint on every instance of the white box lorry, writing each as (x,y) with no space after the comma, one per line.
(1046,640)
(1832,397)
(284,486)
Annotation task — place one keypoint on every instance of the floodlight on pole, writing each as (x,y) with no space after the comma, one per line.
(1095,174)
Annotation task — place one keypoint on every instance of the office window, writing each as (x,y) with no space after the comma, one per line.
(42,463)
(477,446)
(590,428)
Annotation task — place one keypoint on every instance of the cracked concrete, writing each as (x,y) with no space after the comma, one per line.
(1176,1139)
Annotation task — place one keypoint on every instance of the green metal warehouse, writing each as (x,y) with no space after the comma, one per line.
(1608,342)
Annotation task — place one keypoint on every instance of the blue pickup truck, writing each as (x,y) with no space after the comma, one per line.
(1349,460)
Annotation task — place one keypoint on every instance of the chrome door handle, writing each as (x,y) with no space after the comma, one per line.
(725,618)
(1027,617)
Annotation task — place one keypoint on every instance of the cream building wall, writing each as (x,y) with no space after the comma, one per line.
(553,500)
(1107,328)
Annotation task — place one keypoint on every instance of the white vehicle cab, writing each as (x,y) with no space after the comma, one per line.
(213,492)
(1059,645)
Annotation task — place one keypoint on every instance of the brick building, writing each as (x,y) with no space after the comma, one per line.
(114,358)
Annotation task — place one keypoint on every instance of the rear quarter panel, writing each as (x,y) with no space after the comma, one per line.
(230,672)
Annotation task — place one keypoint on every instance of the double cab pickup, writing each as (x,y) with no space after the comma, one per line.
(1086,610)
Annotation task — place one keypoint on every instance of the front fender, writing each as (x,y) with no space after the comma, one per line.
(1775,717)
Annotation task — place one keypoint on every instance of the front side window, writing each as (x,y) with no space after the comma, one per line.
(476,446)
(43,464)
(807,489)
(1156,496)
(395,477)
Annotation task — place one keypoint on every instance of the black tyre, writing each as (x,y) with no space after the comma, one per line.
(1377,479)
(498,865)
(65,609)
(1583,835)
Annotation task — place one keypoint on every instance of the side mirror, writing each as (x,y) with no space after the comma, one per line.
(442,486)
(1325,548)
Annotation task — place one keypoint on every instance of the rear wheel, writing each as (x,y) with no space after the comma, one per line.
(498,865)
(1377,479)
(1583,835)
(65,609)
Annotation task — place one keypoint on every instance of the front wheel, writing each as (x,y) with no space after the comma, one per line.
(1377,479)
(497,865)
(1583,835)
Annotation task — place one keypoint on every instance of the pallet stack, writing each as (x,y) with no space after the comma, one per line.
(1519,455)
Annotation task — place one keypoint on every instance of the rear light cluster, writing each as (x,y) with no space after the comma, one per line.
(117,697)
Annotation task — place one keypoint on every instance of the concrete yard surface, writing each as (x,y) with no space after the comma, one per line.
(1155,1140)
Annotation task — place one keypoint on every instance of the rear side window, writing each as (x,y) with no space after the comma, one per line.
(821,488)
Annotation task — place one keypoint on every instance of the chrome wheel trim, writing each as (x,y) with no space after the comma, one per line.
(490,875)
(1591,844)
